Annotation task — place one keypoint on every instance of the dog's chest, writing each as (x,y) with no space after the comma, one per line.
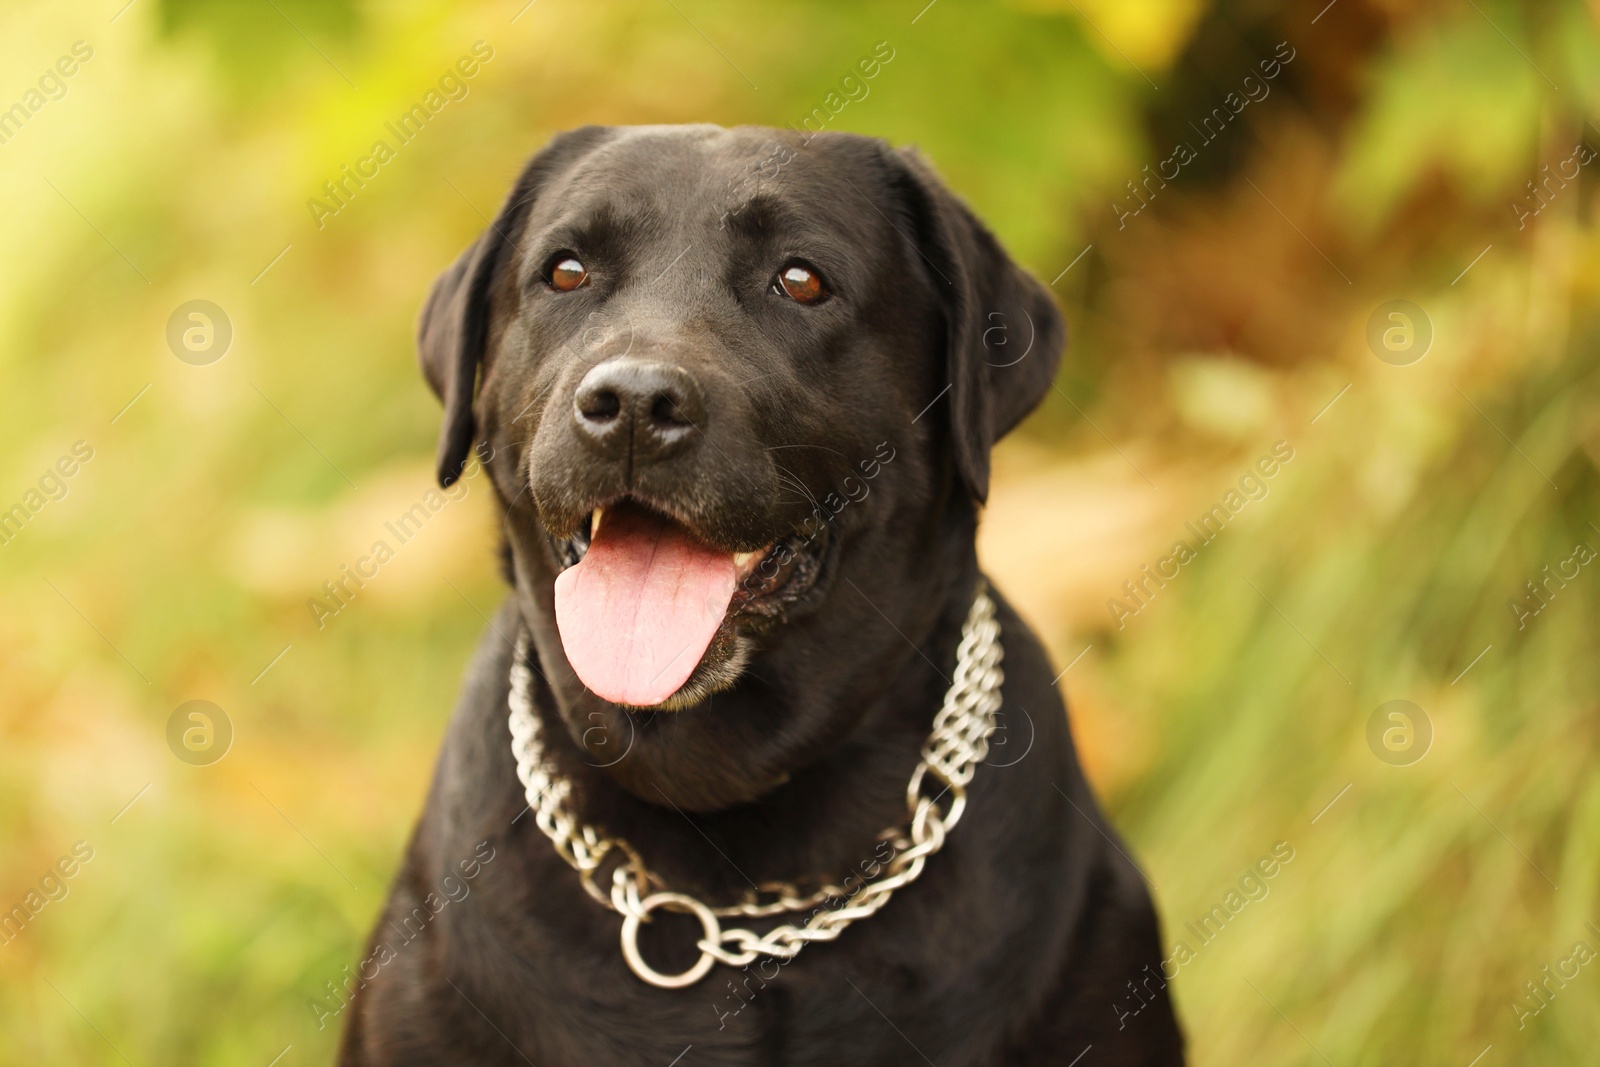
(915,985)
(763,1016)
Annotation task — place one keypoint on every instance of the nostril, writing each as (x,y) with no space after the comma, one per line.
(599,405)
(667,412)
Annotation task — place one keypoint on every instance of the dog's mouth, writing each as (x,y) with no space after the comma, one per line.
(651,613)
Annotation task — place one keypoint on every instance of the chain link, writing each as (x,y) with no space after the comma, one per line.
(958,742)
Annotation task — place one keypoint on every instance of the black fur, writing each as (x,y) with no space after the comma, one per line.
(1019,942)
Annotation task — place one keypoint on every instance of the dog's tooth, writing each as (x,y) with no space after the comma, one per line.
(742,558)
(594,522)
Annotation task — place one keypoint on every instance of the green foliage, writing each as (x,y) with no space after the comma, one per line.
(179,162)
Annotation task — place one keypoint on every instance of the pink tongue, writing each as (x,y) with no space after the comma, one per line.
(637,612)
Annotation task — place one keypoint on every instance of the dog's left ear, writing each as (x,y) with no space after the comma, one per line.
(1004,334)
(453,330)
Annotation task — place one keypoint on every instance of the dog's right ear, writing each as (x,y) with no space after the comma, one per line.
(450,340)
(453,330)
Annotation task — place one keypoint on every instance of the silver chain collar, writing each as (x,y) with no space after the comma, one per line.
(958,743)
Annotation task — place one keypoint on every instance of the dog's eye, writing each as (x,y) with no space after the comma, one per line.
(567,273)
(800,283)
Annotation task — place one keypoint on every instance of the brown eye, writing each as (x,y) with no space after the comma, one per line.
(567,274)
(801,284)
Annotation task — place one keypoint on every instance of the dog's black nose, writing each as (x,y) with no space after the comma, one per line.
(641,409)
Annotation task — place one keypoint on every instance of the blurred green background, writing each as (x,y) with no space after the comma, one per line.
(1390,158)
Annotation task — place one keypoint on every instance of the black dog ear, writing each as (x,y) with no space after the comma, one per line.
(450,341)
(453,330)
(1004,333)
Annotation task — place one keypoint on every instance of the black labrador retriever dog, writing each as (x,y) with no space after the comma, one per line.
(735,390)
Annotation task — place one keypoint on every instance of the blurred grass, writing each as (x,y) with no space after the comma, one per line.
(1221,720)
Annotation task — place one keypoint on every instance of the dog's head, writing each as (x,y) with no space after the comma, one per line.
(736,390)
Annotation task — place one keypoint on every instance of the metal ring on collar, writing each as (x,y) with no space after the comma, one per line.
(672,902)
